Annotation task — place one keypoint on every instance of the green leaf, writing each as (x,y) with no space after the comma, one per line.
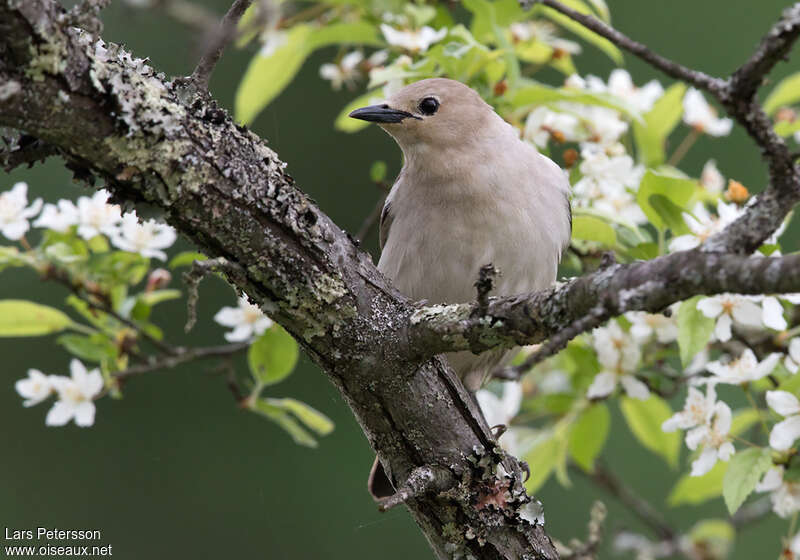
(587,35)
(591,228)
(25,318)
(785,93)
(675,189)
(744,471)
(272,356)
(784,128)
(311,417)
(657,124)
(94,348)
(693,490)
(186,258)
(267,76)
(714,537)
(345,123)
(670,213)
(541,459)
(63,253)
(377,172)
(694,329)
(157,296)
(285,421)
(644,419)
(588,435)
(356,33)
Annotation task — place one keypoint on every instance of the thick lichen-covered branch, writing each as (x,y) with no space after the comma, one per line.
(643,285)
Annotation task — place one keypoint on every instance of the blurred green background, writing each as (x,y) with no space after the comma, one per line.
(175,470)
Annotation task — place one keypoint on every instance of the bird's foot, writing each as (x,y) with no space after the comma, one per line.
(420,481)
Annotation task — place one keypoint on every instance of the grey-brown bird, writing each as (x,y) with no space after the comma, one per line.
(470,193)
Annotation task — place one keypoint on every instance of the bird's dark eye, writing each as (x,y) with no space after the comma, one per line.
(429,105)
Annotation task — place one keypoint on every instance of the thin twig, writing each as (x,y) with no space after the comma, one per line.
(606,479)
(182,356)
(371,219)
(554,344)
(694,77)
(221,38)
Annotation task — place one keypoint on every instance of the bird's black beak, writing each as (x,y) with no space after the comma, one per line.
(381,114)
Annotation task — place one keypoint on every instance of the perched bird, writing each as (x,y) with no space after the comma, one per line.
(470,193)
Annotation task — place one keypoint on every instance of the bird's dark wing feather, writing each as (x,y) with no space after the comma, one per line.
(386,223)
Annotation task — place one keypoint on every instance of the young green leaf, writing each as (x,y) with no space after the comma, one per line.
(272,356)
(588,435)
(584,33)
(343,121)
(93,348)
(675,189)
(745,470)
(693,490)
(186,258)
(26,318)
(541,459)
(657,124)
(591,228)
(785,93)
(285,421)
(644,419)
(694,330)
(311,417)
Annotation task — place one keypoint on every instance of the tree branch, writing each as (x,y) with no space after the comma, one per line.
(220,39)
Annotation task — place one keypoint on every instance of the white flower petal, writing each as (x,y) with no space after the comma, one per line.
(602,386)
(772,315)
(59,414)
(635,388)
(705,462)
(784,433)
(722,330)
(783,403)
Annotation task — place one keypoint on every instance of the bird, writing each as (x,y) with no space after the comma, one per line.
(470,193)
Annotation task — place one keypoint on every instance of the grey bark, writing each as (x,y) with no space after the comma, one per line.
(170,151)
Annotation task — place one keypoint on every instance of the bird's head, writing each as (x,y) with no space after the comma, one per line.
(436,113)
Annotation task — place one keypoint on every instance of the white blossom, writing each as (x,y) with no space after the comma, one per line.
(697,410)
(417,41)
(96,216)
(344,73)
(147,238)
(703,225)
(554,381)
(544,32)
(784,495)
(246,319)
(15,212)
(646,325)
(785,432)
(607,183)
(743,369)
(58,217)
(792,360)
(621,85)
(728,309)
(699,114)
(75,396)
(35,388)
(772,313)
(619,354)
(542,123)
(713,436)
(711,178)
